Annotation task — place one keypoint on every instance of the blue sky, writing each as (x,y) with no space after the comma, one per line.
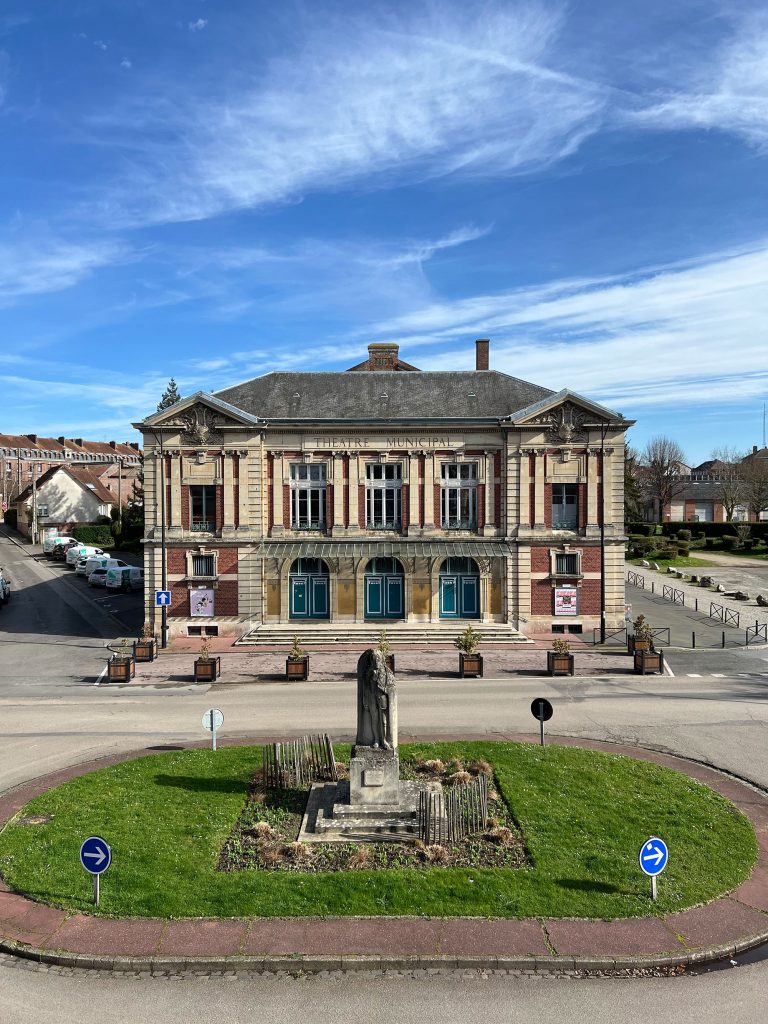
(212,190)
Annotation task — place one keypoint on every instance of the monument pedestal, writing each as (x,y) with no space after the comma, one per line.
(374,777)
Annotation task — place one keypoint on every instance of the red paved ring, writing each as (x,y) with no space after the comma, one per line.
(723,928)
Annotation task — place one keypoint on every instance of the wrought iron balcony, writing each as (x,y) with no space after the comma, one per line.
(202,527)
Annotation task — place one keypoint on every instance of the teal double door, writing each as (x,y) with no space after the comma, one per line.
(459,589)
(308,589)
(384,589)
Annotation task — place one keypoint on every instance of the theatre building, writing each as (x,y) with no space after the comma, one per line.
(385,496)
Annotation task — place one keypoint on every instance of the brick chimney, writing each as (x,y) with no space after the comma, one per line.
(383,355)
(32,438)
(112,444)
(482,353)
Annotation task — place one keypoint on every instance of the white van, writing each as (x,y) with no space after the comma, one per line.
(78,551)
(130,577)
(103,562)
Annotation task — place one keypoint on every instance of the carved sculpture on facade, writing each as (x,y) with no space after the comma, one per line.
(565,424)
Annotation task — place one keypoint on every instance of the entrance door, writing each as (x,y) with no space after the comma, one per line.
(459,589)
(384,589)
(308,589)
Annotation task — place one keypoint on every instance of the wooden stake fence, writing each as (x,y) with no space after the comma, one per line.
(293,764)
(447,816)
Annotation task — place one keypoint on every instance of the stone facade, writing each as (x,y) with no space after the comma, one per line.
(436,497)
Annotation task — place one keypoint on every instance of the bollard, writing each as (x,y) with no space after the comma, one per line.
(652,586)
(723,638)
(693,641)
(697,605)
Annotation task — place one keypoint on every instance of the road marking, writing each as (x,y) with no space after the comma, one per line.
(101,675)
(718,675)
(694,675)
(668,669)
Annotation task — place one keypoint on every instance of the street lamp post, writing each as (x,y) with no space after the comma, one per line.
(163,610)
(603,432)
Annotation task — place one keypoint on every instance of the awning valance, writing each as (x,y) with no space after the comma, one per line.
(384,549)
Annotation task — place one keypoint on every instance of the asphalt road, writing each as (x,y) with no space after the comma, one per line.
(51,646)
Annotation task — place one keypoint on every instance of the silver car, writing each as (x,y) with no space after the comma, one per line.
(98,578)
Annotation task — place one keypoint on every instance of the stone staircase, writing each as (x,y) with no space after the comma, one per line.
(367,633)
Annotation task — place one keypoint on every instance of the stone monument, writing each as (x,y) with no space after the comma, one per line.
(375,803)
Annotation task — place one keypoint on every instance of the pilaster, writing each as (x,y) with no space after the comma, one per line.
(278,525)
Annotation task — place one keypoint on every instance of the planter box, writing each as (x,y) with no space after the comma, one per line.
(297,669)
(470,665)
(121,669)
(207,670)
(145,650)
(559,664)
(647,662)
(633,644)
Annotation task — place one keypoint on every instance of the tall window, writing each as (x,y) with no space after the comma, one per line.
(384,484)
(203,502)
(308,496)
(459,495)
(565,506)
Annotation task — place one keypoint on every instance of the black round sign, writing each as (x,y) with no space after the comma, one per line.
(541,709)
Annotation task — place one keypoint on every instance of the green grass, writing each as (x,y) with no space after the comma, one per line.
(678,563)
(584,816)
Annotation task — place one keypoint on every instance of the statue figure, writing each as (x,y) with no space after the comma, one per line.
(376,702)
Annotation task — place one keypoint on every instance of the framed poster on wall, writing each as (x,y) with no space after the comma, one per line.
(566,601)
(201,602)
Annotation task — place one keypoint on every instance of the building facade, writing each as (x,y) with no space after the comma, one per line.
(385,495)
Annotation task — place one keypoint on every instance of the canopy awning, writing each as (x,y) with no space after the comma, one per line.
(384,549)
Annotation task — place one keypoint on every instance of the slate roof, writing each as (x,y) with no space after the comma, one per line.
(427,395)
(84,475)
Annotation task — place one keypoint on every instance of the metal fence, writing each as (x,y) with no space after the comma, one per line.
(636,580)
(615,636)
(757,634)
(728,616)
(295,763)
(446,816)
(673,595)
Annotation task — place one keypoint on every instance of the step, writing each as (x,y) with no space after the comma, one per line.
(315,634)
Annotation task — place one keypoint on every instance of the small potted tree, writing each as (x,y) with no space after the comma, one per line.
(145,648)
(207,667)
(384,648)
(560,659)
(297,662)
(470,662)
(121,667)
(642,637)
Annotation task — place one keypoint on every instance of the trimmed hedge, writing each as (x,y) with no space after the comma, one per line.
(642,529)
(96,536)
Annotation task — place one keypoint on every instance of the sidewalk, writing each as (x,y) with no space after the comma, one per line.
(724,928)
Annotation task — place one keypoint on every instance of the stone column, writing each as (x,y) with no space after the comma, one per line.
(413,494)
(228,474)
(429,491)
(278,525)
(538,519)
(244,510)
(608,510)
(354,484)
(592,517)
(524,491)
(338,495)
(490,527)
(175,510)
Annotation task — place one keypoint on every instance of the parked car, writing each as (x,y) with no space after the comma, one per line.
(130,577)
(5,588)
(104,561)
(98,578)
(60,548)
(80,567)
(51,540)
(77,551)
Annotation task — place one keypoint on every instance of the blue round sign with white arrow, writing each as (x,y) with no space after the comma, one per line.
(95,855)
(653,856)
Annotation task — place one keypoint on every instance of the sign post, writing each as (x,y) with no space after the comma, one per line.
(541,709)
(653,858)
(213,720)
(95,856)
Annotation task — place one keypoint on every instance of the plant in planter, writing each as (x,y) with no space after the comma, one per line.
(383,647)
(121,667)
(642,637)
(560,659)
(297,662)
(207,668)
(647,662)
(145,648)
(470,662)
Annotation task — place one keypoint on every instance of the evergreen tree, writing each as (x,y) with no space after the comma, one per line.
(170,396)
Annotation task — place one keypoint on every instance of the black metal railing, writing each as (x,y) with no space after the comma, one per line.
(757,634)
(673,595)
(636,580)
(728,616)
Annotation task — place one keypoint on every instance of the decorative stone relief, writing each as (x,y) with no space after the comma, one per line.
(565,424)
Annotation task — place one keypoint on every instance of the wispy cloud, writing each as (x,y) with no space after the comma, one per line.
(471,92)
(197,26)
(37,267)
(652,338)
(726,90)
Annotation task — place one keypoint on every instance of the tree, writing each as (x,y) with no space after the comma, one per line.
(754,472)
(662,460)
(170,396)
(634,503)
(728,471)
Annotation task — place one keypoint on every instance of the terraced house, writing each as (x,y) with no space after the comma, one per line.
(386,495)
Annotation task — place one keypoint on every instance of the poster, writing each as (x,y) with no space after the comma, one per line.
(566,601)
(201,602)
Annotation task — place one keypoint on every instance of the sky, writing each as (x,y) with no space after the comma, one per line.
(214,190)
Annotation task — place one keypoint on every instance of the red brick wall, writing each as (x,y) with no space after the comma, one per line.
(405,511)
(219,507)
(582,500)
(481,506)
(179,599)
(542,599)
(590,559)
(176,560)
(436,504)
(421,489)
(329,489)
(225,598)
(540,560)
(185,506)
(361,506)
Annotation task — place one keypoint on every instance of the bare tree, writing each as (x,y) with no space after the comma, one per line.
(663,461)
(754,472)
(634,505)
(728,471)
